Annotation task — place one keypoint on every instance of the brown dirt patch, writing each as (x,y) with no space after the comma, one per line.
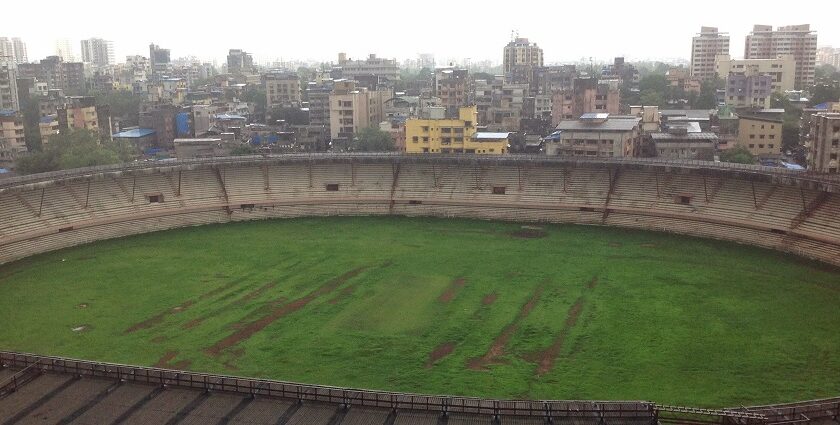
(649,245)
(345,293)
(489,299)
(545,359)
(497,348)
(593,283)
(192,323)
(251,328)
(154,320)
(529,233)
(440,352)
(159,339)
(452,290)
(163,362)
(256,293)
(83,305)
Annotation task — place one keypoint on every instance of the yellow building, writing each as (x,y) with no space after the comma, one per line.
(761,136)
(453,135)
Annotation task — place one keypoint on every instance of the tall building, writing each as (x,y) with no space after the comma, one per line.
(796,40)
(704,48)
(282,89)
(354,108)
(824,152)
(239,61)
(520,58)
(58,74)
(14,48)
(828,56)
(781,69)
(98,52)
(8,85)
(12,138)
(749,91)
(64,50)
(159,61)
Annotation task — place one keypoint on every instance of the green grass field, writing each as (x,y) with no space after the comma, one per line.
(442,306)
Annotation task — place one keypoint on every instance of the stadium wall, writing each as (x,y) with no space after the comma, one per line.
(783,210)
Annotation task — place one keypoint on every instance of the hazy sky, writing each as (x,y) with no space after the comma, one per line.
(566,30)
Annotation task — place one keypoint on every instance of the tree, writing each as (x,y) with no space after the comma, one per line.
(738,154)
(244,149)
(652,98)
(825,93)
(256,95)
(372,139)
(75,149)
(124,105)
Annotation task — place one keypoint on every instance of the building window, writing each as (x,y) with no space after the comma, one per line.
(498,190)
(332,187)
(684,200)
(752,136)
(155,199)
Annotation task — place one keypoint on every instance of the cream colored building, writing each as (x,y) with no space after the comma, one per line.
(704,48)
(797,40)
(48,127)
(824,149)
(761,136)
(354,108)
(12,138)
(782,69)
(282,89)
(598,136)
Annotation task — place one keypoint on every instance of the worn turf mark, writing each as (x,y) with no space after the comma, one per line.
(545,359)
(489,299)
(343,294)
(251,328)
(165,362)
(452,290)
(154,320)
(497,348)
(440,352)
(529,233)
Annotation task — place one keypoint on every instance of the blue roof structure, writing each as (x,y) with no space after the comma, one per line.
(135,134)
(48,119)
(7,113)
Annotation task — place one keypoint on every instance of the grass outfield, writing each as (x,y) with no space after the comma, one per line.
(442,306)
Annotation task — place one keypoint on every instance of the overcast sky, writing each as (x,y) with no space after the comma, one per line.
(566,30)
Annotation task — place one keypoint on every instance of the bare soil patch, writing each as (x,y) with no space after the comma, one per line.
(163,362)
(452,290)
(545,359)
(529,233)
(154,320)
(192,323)
(497,348)
(256,293)
(593,283)
(159,339)
(440,352)
(489,299)
(345,293)
(250,329)
(649,245)
(83,305)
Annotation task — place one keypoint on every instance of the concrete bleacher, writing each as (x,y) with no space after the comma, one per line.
(757,210)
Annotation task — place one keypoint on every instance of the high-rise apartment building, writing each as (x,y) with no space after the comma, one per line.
(13,48)
(454,88)
(828,56)
(588,95)
(58,74)
(797,40)
(64,50)
(824,149)
(159,61)
(239,61)
(520,58)
(704,48)
(98,52)
(8,85)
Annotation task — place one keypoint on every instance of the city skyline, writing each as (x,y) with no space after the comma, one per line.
(562,39)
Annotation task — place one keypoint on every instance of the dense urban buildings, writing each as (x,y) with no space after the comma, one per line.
(797,40)
(353,108)
(597,135)
(762,136)
(782,70)
(58,74)
(282,89)
(9,99)
(372,66)
(588,95)
(98,52)
(454,88)
(12,138)
(239,61)
(705,47)
(64,49)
